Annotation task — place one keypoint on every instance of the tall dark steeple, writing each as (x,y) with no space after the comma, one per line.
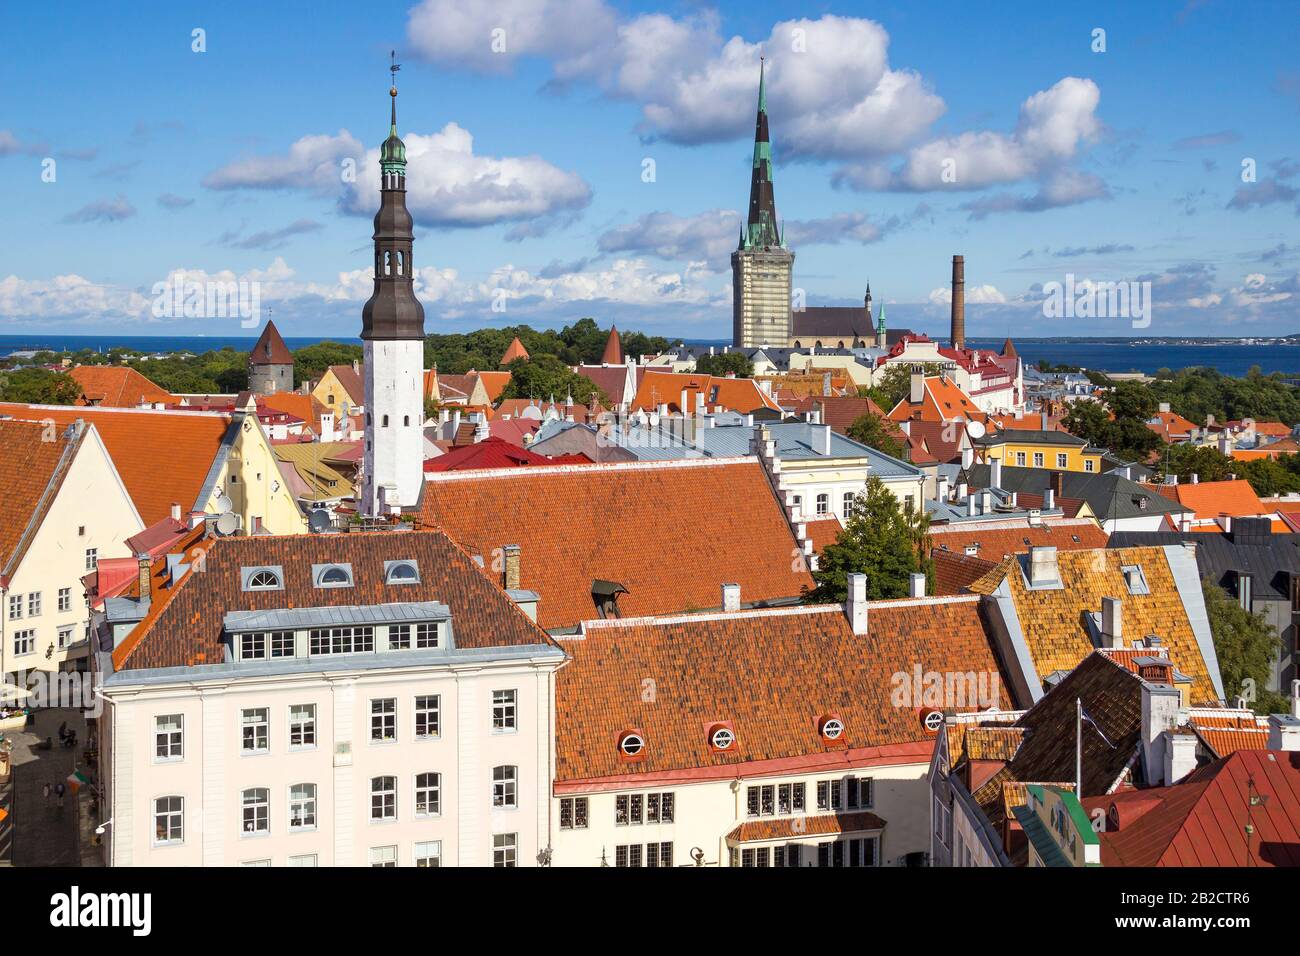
(762,230)
(393,311)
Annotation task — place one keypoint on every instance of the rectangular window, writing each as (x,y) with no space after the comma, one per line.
(504,848)
(823,504)
(666,808)
(789,798)
(24,642)
(304,859)
(427,716)
(849,498)
(1061,460)
(257,731)
(65,599)
(503,787)
(256,811)
(302,726)
(92,558)
(399,637)
(15,607)
(503,710)
(342,640)
(302,806)
(428,794)
(282,644)
(1038,463)
(169,737)
(828,795)
(652,808)
(65,637)
(169,820)
(252,647)
(1089,465)
(1020,458)
(383,719)
(34,604)
(426,635)
(573,813)
(429,853)
(383,798)
(383,857)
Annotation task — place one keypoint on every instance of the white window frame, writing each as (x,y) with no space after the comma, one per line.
(505,850)
(255,798)
(25,642)
(34,604)
(432,714)
(505,711)
(64,636)
(265,725)
(424,851)
(305,803)
(174,737)
(383,857)
(505,787)
(383,720)
(302,859)
(386,795)
(92,559)
(431,792)
(170,814)
(1062,460)
(302,726)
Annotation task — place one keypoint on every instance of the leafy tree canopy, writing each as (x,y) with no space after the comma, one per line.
(544,377)
(1246,646)
(722,364)
(875,432)
(38,386)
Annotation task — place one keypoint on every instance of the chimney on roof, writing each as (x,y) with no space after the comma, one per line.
(176,511)
(826,383)
(1112,622)
(196,518)
(1042,418)
(356,366)
(941,488)
(958,302)
(1164,408)
(1049,500)
(916,394)
(510,571)
(1180,756)
(967,457)
(826,439)
(145,569)
(1160,705)
(855,607)
(1283,732)
(731,597)
(970,506)
(1042,565)
(1056,482)
(1195,478)
(916,585)
(963,490)
(986,502)
(995,473)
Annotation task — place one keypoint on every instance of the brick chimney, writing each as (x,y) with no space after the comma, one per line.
(510,572)
(146,576)
(958,302)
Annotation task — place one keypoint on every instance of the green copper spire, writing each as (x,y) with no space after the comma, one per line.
(392,155)
(762,230)
(762,87)
(880,329)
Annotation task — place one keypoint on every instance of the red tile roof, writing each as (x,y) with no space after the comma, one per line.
(352,383)
(733,394)
(33,461)
(819,824)
(823,531)
(514,351)
(773,675)
(270,348)
(995,540)
(611,380)
(613,348)
(161,456)
(943,401)
(487,454)
(955,571)
(185,623)
(669,532)
(1202,821)
(842,412)
(1211,499)
(116,386)
(1171,426)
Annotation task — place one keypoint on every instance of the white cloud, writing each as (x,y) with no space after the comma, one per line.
(313,162)
(709,236)
(975,295)
(102,210)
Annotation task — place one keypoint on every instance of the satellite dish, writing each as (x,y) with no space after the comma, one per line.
(227,523)
(224,504)
(975,429)
(319,520)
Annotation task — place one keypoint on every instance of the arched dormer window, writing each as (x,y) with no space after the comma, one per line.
(334,576)
(263,581)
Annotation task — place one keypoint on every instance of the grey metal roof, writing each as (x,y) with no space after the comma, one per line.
(1109,495)
(288,619)
(1031,436)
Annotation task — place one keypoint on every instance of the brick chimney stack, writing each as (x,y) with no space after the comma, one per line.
(958,302)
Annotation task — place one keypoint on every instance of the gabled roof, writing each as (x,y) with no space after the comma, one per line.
(956,571)
(494,383)
(487,454)
(734,394)
(1170,426)
(161,456)
(352,383)
(841,412)
(997,539)
(117,386)
(1202,821)
(186,620)
(943,401)
(703,670)
(270,348)
(1054,621)
(1110,495)
(1027,436)
(33,463)
(611,379)
(1211,499)
(670,532)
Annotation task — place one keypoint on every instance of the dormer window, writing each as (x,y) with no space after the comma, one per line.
(268,578)
(721,737)
(401,572)
(831,728)
(1134,579)
(333,575)
(631,745)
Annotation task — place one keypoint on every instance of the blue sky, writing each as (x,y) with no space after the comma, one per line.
(528,164)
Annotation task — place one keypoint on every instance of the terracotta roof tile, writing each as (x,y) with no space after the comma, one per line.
(734,394)
(823,531)
(819,824)
(514,351)
(771,673)
(669,532)
(186,620)
(161,456)
(955,571)
(116,386)
(994,543)
(270,348)
(33,460)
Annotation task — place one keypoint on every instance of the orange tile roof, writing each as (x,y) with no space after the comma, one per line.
(514,351)
(772,674)
(116,386)
(823,531)
(162,456)
(734,394)
(943,401)
(1052,619)
(669,532)
(1211,499)
(306,407)
(955,571)
(995,541)
(32,465)
(494,383)
(270,348)
(1171,426)
(1223,741)
(818,824)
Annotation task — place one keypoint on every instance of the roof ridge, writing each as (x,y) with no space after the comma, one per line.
(592,468)
(759,612)
(46,499)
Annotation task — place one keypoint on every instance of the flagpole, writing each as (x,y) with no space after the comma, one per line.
(1078,747)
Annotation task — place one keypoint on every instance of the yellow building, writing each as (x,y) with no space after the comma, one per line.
(341,390)
(1055,450)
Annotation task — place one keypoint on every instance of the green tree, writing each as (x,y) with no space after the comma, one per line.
(882,541)
(722,364)
(1119,425)
(38,386)
(311,361)
(875,432)
(545,376)
(894,385)
(1246,646)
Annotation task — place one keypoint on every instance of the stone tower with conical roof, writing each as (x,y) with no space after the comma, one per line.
(761,267)
(392,332)
(270,363)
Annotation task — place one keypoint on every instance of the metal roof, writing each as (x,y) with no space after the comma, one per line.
(288,619)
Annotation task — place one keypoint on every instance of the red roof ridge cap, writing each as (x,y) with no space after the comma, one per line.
(589,468)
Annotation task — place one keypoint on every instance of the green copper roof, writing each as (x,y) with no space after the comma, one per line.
(392,154)
(881,326)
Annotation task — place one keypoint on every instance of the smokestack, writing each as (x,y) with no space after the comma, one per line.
(958,302)
(510,574)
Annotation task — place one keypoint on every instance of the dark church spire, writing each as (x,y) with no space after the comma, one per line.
(762,228)
(393,311)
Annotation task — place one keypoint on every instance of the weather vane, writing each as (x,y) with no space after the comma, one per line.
(394,67)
